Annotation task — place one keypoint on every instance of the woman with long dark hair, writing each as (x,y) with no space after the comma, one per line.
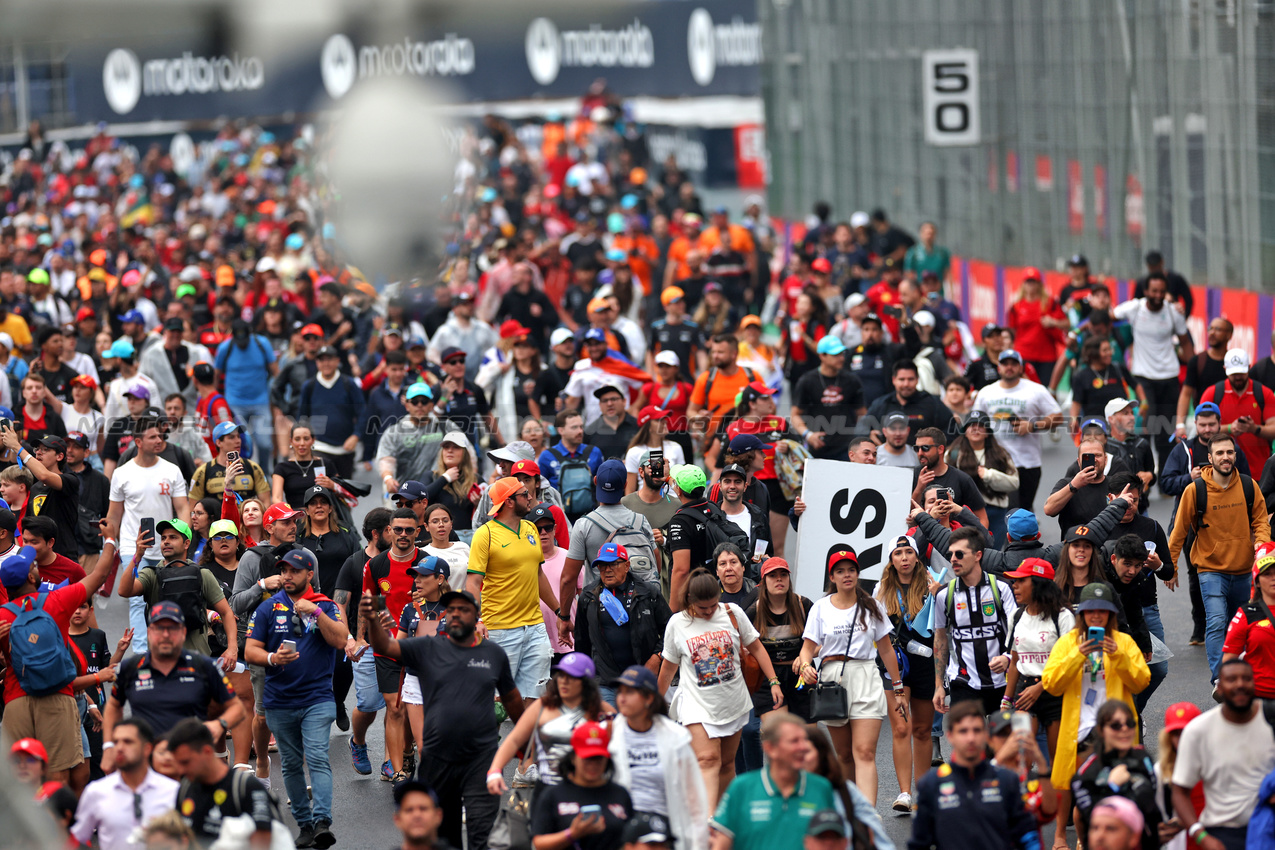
(1041,620)
(571,698)
(976,453)
(454,479)
(805,327)
(850,629)
(1077,565)
(221,558)
(1118,766)
(904,593)
(654,759)
(779,614)
(707,641)
(867,829)
(202,515)
(1086,672)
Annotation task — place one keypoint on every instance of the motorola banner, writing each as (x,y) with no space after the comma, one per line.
(665,50)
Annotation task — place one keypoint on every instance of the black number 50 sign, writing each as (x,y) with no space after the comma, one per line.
(950,97)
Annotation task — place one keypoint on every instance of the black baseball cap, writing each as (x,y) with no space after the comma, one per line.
(407,786)
(1000,722)
(734,469)
(541,513)
(825,821)
(174,324)
(644,828)
(326,351)
(451,596)
(55,443)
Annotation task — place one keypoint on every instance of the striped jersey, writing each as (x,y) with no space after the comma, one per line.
(978,631)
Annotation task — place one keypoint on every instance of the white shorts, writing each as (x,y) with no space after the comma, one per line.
(411,693)
(725,730)
(864,693)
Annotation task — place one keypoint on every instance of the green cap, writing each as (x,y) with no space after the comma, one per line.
(175,525)
(688,478)
(222,526)
(186,289)
(38,276)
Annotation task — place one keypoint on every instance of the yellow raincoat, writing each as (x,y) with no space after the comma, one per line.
(1127,674)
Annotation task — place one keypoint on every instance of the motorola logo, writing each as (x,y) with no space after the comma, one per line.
(544,51)
(710,46)
(122,80)
(338,65)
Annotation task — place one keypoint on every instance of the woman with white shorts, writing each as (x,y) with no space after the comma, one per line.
(707,640)
(848,630)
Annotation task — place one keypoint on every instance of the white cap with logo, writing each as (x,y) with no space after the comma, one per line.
(1236,361)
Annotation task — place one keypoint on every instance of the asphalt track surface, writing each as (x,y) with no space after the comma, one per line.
(363,806)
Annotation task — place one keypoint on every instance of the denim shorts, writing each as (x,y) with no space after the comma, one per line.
(367,693)
(529,656)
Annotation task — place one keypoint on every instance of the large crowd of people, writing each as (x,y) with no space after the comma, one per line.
(548,481)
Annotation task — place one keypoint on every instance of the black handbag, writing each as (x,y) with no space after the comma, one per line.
(829,701)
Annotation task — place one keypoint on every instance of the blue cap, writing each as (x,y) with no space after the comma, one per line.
(629,201)
(121,348)
(1021,524)
(294,242)
(302,559)
(615,255)
(131,316)
(1096,420)
(225,429)
(741,443)
(16,568)
(418,389)
(1009,354)
(638,677)
(415,342)
(432,565)
(831,345)
(595,335)
(611,552)
(488,195)
(611,480)
(1208,408)
(410,490)
(166,609)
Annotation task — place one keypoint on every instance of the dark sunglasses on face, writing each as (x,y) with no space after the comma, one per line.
(398,530)
(925,448)
(223,537)
(1120,725)
(957,555)
(546,529)
(311,337)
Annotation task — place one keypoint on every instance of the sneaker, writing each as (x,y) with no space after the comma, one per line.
(409,761)
(903,803)
(358,757)
(342,719)
(323,836)
(274,745)
(1197,639)
(387,771)
(401,776)
(264,780)
(1216,696)
(937,757)
(305,838)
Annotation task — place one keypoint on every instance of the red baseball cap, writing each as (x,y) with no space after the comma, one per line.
(772,564)
(650,412)
(513,328)
(31,747)
(85,313)
(1030,567)
(1178,715)
(760,388)
(1032,273)
(591,740)
(278,511)
(821,265)
(312,329)
(525,467)
(842,553)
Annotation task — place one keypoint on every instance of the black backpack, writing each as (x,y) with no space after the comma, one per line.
(182,582)
(1202,499)
(718,529)
(1259,395)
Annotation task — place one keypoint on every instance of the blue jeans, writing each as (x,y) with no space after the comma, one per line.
(749,755)
(137,607)
(608,694)
(1151,613)
(260,424)
(303,735)
(1223,593)
(529,656)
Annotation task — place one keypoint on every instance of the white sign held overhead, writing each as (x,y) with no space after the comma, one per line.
(950,97)
(849,503)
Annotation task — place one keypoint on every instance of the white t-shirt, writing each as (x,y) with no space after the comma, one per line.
(90,424)
(1034,637)
(457,558)
(713,689)
(1093,693)
(672,453)
(840,632)
(146,491)
(744,519)
(1026,400)
(1153,353)
(646,785)
(1231,759)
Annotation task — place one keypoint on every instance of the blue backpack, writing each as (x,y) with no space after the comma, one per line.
(37,650)
(575,482)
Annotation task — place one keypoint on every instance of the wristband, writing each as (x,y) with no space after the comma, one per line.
(1072,487)
(495,774)
(772,681)
(1198,826)
(106,745)
(97,679)
(270,659)
(112,541)
(261,583)
(1200,836)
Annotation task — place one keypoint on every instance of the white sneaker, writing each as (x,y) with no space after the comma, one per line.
(903,803)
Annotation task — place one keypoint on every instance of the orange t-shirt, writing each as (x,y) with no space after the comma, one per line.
(720,399)
(740,239)
(677,252)
(642,251)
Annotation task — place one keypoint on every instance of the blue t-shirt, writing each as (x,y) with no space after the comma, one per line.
(308,680)
(247,370)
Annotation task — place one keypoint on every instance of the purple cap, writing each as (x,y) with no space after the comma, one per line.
(139,391)
(577,665)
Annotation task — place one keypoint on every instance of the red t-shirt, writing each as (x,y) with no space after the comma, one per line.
(1032,339)
(681,392)
(768,430)
(1256,641)
(60,605)
(61,569)
(395,584)
(1233,406)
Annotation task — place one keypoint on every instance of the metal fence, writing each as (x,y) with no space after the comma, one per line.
(1108,127)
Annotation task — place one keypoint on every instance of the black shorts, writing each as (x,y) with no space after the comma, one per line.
(778,504)
(389,675)
(919,679)
(1047,708)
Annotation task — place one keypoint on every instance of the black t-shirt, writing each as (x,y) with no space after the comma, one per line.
(97,656)
(59,381)
(95,494)
(457,683)
(526,386)
(558,805)
(350,579)
(830,405)
(1200,379)
(576,302)
(60,506)
(982,372)
(330,325)
(119,438)
(333,550)
(619,639)
(534,310)
(964,489)
(1086,503)
(872,367)
(465,407)
(164,700)
(35,430)
(297,478)
(683,339)
(612,442)
(687,531)
(201,810)
(179,359)
(1092,390)
(553,381)
(1178,288)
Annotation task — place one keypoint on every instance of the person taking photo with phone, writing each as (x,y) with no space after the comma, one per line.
(215,476)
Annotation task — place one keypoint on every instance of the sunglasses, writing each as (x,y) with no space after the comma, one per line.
(310,337)
(137,807)
(402,531)
(420,400)
(1121,725)
(547,529)
(925,448)
(957,555)
(224,537)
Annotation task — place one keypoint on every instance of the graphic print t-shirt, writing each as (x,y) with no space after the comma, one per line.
(713,689)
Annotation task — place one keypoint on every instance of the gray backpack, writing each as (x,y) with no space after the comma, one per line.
(641,547)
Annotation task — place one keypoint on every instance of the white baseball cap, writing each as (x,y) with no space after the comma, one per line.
(6,341)
(859,219)
(668,358)
(1236,361)
(559,336)
(925,318)
(1115,406)
(853,300)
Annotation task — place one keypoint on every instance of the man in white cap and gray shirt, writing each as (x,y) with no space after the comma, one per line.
(848,330)
(505,457)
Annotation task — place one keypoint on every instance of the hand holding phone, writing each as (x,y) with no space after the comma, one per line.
(1087,461)
(288,646)
(1096,635)
(231,457)
(146,531)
